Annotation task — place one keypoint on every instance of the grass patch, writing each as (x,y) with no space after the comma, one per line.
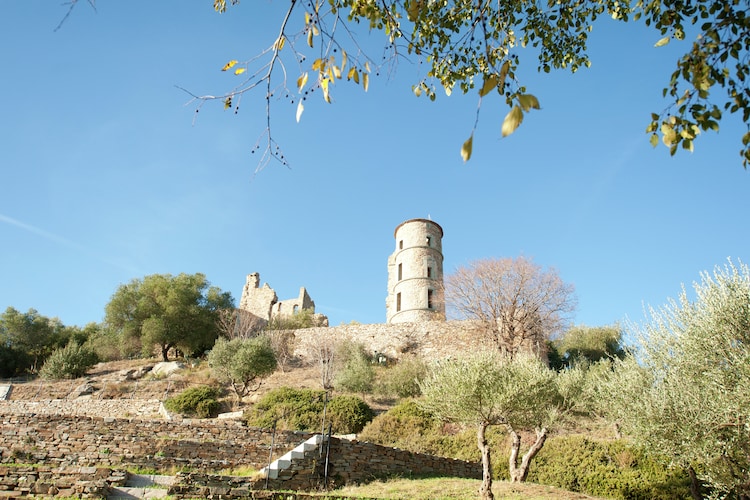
(454,489)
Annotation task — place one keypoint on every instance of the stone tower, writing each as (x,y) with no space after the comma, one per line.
(415,273)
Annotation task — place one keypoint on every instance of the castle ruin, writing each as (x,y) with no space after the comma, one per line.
(262,302)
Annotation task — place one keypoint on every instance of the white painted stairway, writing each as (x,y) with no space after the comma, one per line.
(284,462)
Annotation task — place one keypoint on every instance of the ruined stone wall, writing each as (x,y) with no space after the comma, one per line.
(120,408)
(429,339)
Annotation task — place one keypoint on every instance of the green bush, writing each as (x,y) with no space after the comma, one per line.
(302,410)
(358,374)
(348,414)
(613,469)
(402,379)
(72,361)
(199,402)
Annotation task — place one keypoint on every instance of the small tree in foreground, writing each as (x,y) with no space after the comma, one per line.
(488,389)
(242,363)
(686,392)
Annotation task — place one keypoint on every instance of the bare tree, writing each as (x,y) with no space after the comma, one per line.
(283,343)
(238,324)
(320,348)
(519,304)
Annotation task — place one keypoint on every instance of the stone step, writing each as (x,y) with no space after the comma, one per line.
(143,486)
(286,460)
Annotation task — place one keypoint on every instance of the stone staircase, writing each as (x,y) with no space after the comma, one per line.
(287,461)
(142,487)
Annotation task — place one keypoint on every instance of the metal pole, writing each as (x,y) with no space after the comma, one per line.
(270,453)
(323,425)
(328,454)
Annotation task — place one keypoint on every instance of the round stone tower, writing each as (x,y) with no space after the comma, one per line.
(415,273)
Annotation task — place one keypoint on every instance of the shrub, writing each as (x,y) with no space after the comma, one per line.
(302,410)
(290,409)
(72,361)
(242,363)
(199,401)
(348,414)
(408,427)
(613,469)
(358,374)
(402,379)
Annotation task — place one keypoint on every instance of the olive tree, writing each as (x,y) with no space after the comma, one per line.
(242,363)
(685,394)
(519,304)
(168,311)
(518,393)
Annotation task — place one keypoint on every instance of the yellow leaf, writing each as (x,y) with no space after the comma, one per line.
(302,81)
(490,82)
(229,65)
(300,109)
(512,120)
(279,44)
(227,103)
(315,30)
(528,101)
(654,139)
(324,87)
(309,38)
(239,71)
(367,66)
(318,64)
(337,72)
(448,90)
(365,81)
(355,74)
(662,42)
(503,74)
(466,148)
(307,18)
(343,60)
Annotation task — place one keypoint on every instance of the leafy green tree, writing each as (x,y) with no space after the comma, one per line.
(478,46)
(242,363)
(685,394)
(168,311)
(71,361)
(490,389)
(30,333)
(588,344)
(403,378)
(518,303)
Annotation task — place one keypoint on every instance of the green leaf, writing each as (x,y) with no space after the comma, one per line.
(512,120)
(466,148)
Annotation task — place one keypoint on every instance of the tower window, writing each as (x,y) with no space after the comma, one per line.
(429,299)
(400,244)
(400,273)
(429,241)
(296,309)
(429,272)
(398,302)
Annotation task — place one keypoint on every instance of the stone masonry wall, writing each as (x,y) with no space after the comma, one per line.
(92,441)
(430,339)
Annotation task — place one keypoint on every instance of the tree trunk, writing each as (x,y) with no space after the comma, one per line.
(165,352)
(519,473)
(695,485)
(485,491)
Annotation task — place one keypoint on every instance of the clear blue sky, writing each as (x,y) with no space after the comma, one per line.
(105,178)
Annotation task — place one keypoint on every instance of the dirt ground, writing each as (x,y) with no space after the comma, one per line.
(106,378)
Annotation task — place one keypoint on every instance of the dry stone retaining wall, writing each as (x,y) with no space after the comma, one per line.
(121,408)
(429,339)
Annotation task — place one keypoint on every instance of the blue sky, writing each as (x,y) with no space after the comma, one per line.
(106,178)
